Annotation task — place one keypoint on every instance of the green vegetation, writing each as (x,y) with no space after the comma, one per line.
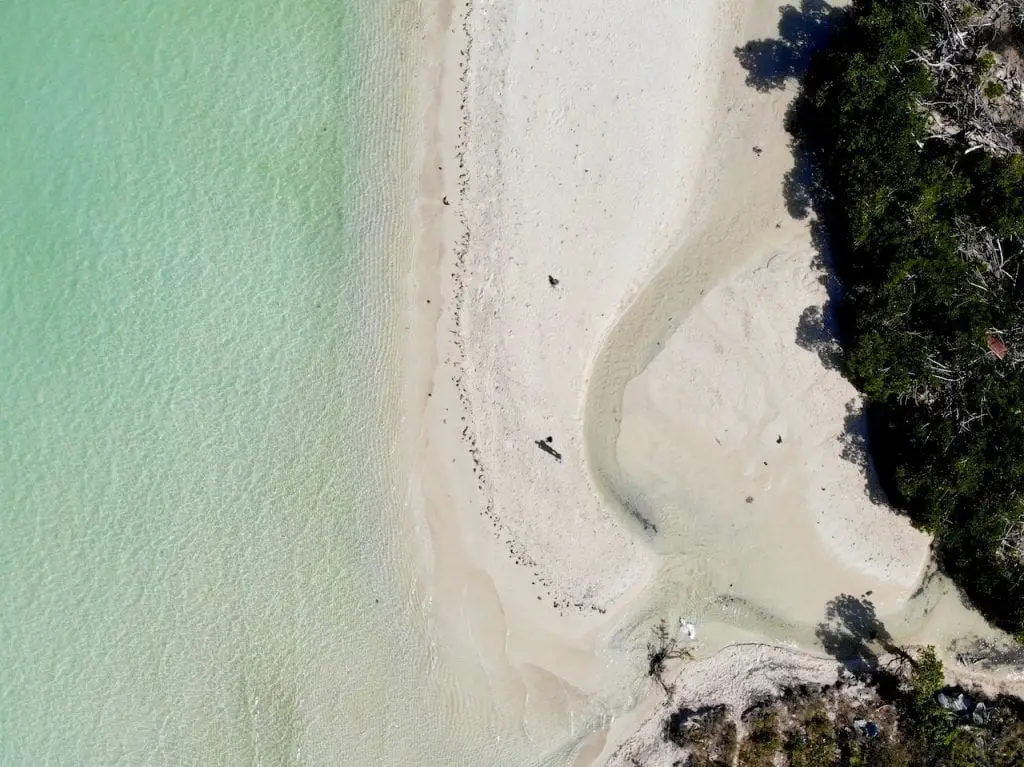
(993,90)
(813,743)
(926,236)
(892,721)
(986,63)
(932,735)
(758,749)
(710,736)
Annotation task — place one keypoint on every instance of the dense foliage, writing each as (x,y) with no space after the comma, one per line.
(828,727)
(922,306)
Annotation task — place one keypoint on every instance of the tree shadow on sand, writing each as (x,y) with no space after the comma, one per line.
(772,62)
(854,448)
(853,633)
(775,63)
(817,330)
(798,185)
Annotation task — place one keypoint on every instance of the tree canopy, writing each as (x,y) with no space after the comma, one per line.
(925,227)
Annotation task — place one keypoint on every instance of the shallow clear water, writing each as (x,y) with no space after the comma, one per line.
(198,517)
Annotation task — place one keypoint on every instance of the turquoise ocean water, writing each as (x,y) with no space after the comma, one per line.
(198,548)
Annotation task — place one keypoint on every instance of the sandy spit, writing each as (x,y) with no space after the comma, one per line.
(561,152)
(524,659)
(558,168)
(583,142)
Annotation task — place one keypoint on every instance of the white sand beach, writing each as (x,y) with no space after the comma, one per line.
(619,360)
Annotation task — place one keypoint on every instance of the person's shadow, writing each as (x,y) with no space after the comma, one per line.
(771,62)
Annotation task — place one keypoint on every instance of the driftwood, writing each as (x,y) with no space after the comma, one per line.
(978,73)
(1011,545)
(663,648)
(545,445)
(980,246)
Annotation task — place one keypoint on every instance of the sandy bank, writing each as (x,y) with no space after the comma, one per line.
(561,154)
(583,145)
(743,440)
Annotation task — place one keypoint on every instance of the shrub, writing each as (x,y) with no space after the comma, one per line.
(993,89)
(762,741)
(986,63)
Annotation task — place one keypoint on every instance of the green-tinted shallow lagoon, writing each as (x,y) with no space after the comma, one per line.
(197,513)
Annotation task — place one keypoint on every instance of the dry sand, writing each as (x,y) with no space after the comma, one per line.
(560,154)
(524,670)
(606,261)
